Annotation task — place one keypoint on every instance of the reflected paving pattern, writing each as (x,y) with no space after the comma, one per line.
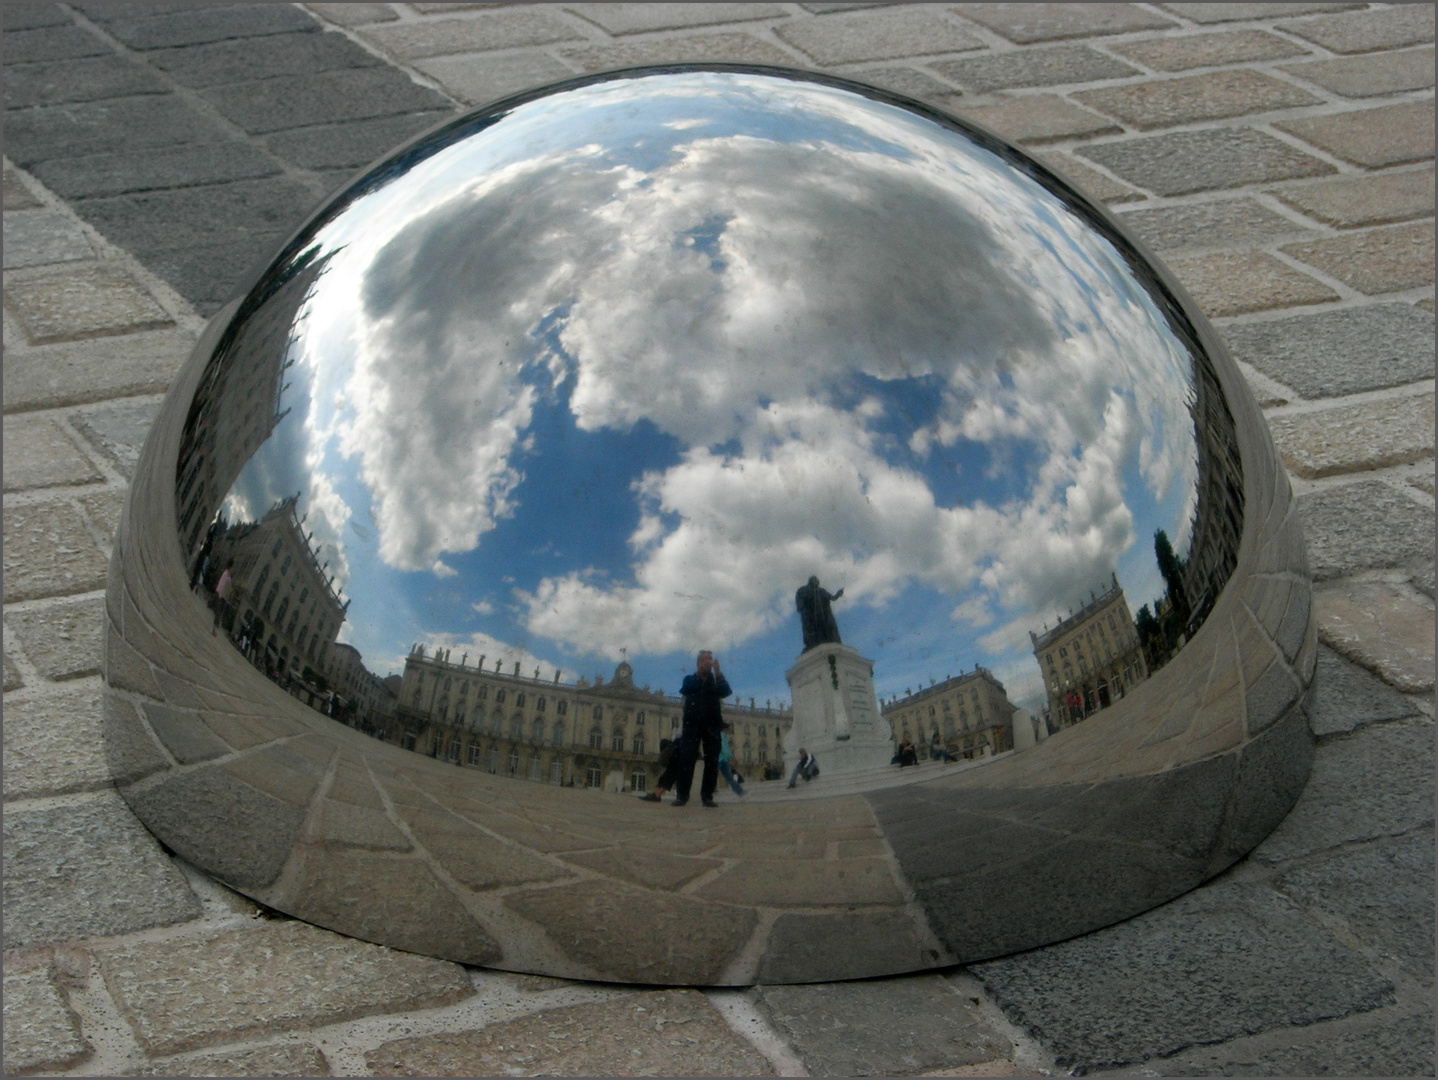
(595,377)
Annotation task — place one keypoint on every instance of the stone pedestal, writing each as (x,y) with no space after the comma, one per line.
(836,715)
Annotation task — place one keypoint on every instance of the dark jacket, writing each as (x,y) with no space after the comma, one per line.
(701,700)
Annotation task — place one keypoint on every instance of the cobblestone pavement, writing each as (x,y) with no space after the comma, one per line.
(1279,157)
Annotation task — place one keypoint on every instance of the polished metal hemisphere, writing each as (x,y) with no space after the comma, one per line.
(708,525)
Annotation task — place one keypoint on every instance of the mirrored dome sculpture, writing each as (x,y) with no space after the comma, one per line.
(695,396)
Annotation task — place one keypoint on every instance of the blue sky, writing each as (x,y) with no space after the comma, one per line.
(615,375)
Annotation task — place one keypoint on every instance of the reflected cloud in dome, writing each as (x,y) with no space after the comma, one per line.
(608,374)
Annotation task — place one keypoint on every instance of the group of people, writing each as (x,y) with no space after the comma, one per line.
(908,754)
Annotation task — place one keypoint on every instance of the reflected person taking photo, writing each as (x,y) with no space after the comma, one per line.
(703,723)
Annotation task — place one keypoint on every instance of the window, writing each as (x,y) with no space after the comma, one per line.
(598,713)
(519,700)
(592,776)
(304,595)
(637,779)
(443,713)
(639,720)
(514,763)
(556,771)
(761,731)
(276,549)
(264,577)
(616,741)
(284,607)
(446,684)
(596,739)
(534,764)
(558,736)
(482,693)
(639,743)
(516,727)
(473,754)
(270,599)
(562,708)
(459,713)
(539,705)
(417,692)
(492,760)
(496,722)
(536,732)
(499,694)
(284,566)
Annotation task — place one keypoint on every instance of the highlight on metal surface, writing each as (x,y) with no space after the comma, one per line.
(713,427)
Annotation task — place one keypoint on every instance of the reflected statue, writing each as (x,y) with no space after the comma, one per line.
(816,617)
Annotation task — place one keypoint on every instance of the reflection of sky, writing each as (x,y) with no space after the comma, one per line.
(623,369)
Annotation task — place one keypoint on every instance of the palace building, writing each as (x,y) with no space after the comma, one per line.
(971,712)
(581,734)
(1090,659)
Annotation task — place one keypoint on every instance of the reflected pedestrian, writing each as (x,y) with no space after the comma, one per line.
(938,751)
(807,767)
(703,722)
(668,770)
(726,758)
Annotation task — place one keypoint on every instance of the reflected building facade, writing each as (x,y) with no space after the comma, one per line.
(1090,659)
(285,603)
(581,734)
(1218,512)
(971,713)
(371,703)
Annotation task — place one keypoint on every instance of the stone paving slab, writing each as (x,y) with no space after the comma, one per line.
(1376,625)
(882,1027)
(1348,697)
(1216,964)
(89,300)
(1350,202)
(86,868)
(669,1033)
(41,1030)
(1190,161)
(275,976)
(1370,76)
(52,744)
(1368,31)
(282,1059)
(39,454)
(1364,525)
(41,237)
(1356,438)
(49,552)
(83,371)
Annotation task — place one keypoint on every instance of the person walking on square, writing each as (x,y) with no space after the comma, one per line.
(669,769)
(703,723)
(726,758)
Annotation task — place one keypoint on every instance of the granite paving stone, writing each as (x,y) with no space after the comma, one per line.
(665,1033)
(1379,261)
(50,43)
(118,430)
(1206,50)
(597,922)
(1033,67)
(1376,782)
(801,947)
(354,14)
(1215,964)
(1184,162)
(1354,438)
(278,976)
(876,35)
(620,19)
(1229,223)
(1349,202)
(86,868)
(1038,118)
(1396,919)
(49,552)
(122,172)
(248,59)
(16,195)
(478,81)
(503,29)
(1236,283)
(123,124)
(907,81)
(1361,526)
(882,1027)
(39,454)
(62,639)
(65,303)
(1347,697)
(82,79)
(289,101)
(1088,179)
(350,145)
(1375,1044)
(1025,24)
(1332,353)
(729,48)
(1212,96)
(13,681)
(1370,76)
(1388,135)
(279,1059)
(1367,31)
(38,237)
(52,744)
(27,16)
(136,28)
(42,1032)
(1381,628)
(1209,13)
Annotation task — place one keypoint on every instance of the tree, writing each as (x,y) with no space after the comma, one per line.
(1171,567)
(1152,638)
